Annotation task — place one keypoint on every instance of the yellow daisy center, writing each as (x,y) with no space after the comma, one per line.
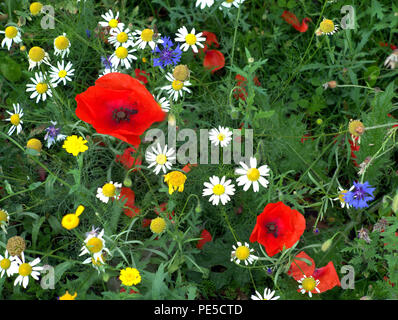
(218,189)
(5,263)
(113,23)
(309,284)
(221,137)
(11,32)
(34,144)
(341,195)
(3,215)
(36,54)
(229,1)
(98,262)
(25,269)
(94,245)
(146,35)
(41,88)
(327,26)
(61,43)
(253,174)
(121,53)
(158,225)
(35,8)
(177,85)
(190,39)
(62,73)
(161,159)
(242,253)
(122,37)
(109,190)
(15,119)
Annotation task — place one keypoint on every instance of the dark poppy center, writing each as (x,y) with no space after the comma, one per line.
(272,228)
(123,114)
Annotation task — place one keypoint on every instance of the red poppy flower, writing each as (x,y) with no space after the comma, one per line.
(210,38)
(206,237)
(141,76)
(131,291)
(127,160)
(241,93)
(132,210)
(162,208)
(120,106)
(354,147)
(214,60)
(305,139)
(278,227)
(326,275)
(146,222)
(291,19)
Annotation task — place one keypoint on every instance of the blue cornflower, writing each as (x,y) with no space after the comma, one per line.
(359,195)
(167,55)
(88,33)
(53,134)
(106,61)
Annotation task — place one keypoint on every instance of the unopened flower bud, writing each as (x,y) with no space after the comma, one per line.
(127,182)
(181,72)
(326,245)
(319,121)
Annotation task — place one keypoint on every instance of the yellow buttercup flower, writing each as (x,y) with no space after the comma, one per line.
(68,296)
(158,225)
(71,220)
(175,180)
(130,276)
(74,145)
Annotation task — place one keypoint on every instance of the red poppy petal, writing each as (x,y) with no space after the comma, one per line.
(327,277)
(299,268)
(214,60)
(206,237)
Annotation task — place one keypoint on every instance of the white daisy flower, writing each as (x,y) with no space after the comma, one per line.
(342,193)
(268,295)
(111,20)
(163,102)
(26,269)
(230,3)
(146,37)
(123,56)
(62,73)
(61,46)
(160,158)
(15,119)
(7,265)
(190,39)
(308,284)
(39,87)
(392,60)
(176,88)
(220,190)
(94,245)
(121,37)
(109,190)
(37,56)
(106,71)
(204,3)
(11,34)
(252,175)
(327,26)
(221,136)
(242,253)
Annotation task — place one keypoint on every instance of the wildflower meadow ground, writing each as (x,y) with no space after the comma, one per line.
(198,150)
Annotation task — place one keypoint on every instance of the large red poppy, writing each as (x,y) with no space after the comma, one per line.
(278,227)
(205,238)
(120,106)
(214,60)
(326,275)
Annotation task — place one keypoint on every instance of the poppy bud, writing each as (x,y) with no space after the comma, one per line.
(181,72)
(395,203)
(127,182)
(198,208)
(326,245)
(105,277)
(319,121)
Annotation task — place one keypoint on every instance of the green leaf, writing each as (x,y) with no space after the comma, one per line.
(291,4)
(35,230)
(60,269)
(10,69)
(371,74)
